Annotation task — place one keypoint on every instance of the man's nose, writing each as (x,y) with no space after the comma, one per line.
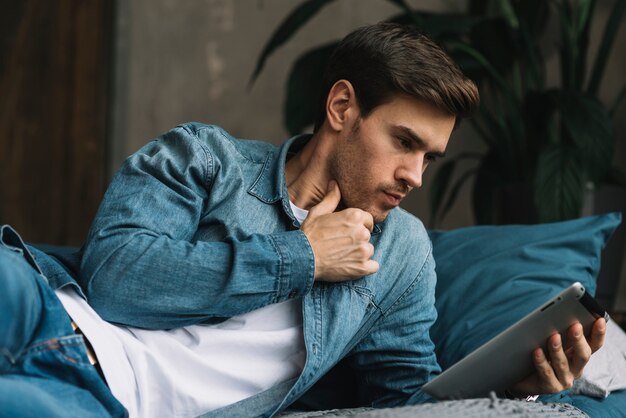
(411,172)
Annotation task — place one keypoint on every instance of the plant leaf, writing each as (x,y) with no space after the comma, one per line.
(403,5)
(567,49)
(538,113)
(304,86)
(486,65)
(589,126)
(478,7)
(500,139)
(487,181)
(620,97)
(585,15)
(532,17)
(559,184)
(414,17)
(439,186)
(575,18)
(533,14)
(616,177)
(610,30)
(294,21)
(440,182)
(454,191)
(496,42)
(440,26)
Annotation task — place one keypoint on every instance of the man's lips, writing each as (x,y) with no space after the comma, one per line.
(394,198)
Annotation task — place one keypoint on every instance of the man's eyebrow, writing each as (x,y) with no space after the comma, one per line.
(406,131)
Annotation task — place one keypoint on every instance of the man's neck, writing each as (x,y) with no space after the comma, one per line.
(306,172)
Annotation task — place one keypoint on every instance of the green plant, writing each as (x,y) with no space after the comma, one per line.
(546,142)
(543,144)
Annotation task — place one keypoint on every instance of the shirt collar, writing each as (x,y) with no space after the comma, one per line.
(270,185)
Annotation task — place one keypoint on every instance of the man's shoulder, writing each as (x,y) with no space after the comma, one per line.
(404,237)
(219,141)
(404,253)
(404,223)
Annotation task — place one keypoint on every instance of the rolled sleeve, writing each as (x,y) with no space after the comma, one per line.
(296,265)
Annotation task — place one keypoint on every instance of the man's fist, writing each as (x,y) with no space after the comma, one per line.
(340,240)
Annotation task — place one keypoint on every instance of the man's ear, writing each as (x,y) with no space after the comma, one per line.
(341,106)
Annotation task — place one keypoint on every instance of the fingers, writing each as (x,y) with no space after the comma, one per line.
(561,364)
(552,373)
(580,351)
(371,267)
(340,240)
(556,369)
(360,217)
(598,333)
(368,221)
(330,201)
(542,381)
(548,383)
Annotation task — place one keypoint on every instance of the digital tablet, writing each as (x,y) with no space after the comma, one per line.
(507,358)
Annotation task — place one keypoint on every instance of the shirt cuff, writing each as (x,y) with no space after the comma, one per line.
(296,264)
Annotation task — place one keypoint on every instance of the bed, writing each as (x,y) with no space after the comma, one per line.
(479,269)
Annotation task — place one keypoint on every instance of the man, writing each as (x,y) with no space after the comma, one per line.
(229,277)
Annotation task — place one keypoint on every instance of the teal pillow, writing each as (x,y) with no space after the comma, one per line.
(488,277)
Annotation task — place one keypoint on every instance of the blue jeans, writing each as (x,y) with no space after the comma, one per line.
(44,369)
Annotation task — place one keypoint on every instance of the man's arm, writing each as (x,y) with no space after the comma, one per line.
(141,267)
(398,356)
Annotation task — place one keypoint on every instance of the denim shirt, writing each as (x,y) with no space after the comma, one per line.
(196,227)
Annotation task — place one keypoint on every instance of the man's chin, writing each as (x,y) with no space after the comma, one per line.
(380,217)
(378,214)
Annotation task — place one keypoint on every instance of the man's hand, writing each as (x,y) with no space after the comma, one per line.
(557,370)
(340,240)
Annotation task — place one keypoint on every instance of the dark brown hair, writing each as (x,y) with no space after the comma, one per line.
(388,59)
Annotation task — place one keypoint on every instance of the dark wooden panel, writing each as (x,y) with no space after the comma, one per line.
(53,84)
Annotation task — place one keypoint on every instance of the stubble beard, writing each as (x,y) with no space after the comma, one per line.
(351,180)
(358,188)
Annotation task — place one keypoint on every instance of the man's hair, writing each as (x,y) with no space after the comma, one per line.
(385,60)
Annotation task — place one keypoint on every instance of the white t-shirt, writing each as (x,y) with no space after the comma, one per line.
(192,370)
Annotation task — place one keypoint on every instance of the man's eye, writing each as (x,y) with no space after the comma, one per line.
(405,143)
(431,158)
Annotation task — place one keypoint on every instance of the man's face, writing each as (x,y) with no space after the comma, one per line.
(382,158)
